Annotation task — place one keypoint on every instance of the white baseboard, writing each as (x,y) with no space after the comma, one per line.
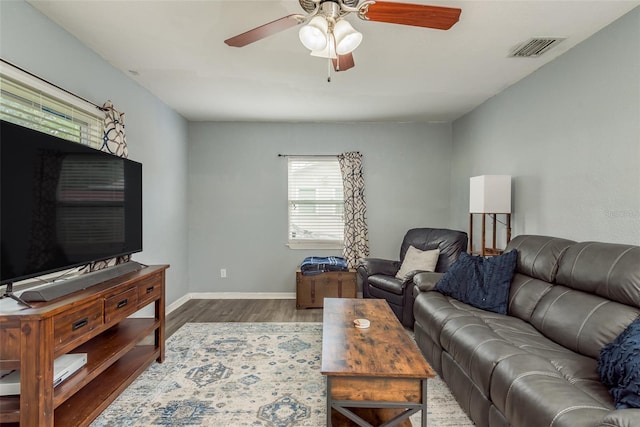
(242,295)
(228,295)
(177,303)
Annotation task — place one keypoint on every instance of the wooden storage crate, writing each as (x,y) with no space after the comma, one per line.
(312,290)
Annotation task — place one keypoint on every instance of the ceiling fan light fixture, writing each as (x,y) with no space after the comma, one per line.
(347,38)
(314,35)
(329,50)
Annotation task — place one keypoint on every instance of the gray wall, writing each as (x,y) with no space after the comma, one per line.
(238,194)
(569,134)
(156,135)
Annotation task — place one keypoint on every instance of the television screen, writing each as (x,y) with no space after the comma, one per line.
(63,204)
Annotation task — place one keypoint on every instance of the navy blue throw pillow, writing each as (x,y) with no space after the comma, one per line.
(619,367)
(481,282)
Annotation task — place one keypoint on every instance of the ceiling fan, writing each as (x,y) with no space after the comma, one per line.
(327,34)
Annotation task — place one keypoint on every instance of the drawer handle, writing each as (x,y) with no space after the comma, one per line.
(79,324)
(150,289)
(123,303)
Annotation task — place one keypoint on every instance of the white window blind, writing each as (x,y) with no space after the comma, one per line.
(42,110)
(316,202)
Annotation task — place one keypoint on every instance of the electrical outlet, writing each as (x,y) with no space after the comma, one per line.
(223,272)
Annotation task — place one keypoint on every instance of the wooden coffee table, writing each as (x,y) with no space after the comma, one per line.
(373,375)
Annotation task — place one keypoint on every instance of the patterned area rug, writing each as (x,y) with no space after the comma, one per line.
(244,374)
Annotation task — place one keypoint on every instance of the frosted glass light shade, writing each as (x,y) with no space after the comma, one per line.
(347,38)
(490,194)
(329,50)
(314,35)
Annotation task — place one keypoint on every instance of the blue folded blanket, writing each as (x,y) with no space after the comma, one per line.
(317,265)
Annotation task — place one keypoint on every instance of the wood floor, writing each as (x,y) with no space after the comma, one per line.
(239,310)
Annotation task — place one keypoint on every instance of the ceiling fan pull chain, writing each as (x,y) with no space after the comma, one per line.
(328,70)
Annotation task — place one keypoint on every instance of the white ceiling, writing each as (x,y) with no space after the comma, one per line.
(402,73)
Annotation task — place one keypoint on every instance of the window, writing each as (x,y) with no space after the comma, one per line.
(29,102)
(316,203)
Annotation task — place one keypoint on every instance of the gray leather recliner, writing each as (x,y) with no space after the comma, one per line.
(378,275)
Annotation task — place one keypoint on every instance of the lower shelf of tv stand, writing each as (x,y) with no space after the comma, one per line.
(91,400)
(102,352)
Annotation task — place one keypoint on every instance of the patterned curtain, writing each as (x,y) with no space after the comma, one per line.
(356,241)
(114,141)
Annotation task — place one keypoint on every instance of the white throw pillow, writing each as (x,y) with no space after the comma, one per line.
(415,259)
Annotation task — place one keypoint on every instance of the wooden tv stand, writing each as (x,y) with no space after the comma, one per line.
(93,321)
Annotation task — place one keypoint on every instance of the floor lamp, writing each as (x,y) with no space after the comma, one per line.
(489,195)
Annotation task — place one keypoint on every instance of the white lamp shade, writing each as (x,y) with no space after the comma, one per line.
(347,39)
(314,35)
(490,194)
(329,50)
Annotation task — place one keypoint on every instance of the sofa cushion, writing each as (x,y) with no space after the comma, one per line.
(539,256)
(481,282)
(606,269)
(531,392)
(525,293)
(579,321)
(434,310)
(619,367)
(417,260)
(477,345)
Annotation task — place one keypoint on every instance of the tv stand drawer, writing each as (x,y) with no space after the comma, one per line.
(73,325)
(149,289)
(121,305)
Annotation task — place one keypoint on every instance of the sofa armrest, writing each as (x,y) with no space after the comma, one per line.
(426,281)
(379,266)
(622,418)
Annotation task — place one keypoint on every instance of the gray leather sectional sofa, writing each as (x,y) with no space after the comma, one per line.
(536,366)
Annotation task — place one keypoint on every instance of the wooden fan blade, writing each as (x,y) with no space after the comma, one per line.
(343,62)
(417,15)
(263,31)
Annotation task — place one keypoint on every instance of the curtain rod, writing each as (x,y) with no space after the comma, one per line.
(310,155)
(307,155)
(52,84)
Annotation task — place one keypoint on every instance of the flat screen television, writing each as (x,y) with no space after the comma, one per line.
(63,204)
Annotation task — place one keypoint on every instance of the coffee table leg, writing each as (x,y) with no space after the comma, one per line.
(424,403)
(329,401)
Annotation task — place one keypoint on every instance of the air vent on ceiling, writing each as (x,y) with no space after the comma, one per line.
(535,47)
